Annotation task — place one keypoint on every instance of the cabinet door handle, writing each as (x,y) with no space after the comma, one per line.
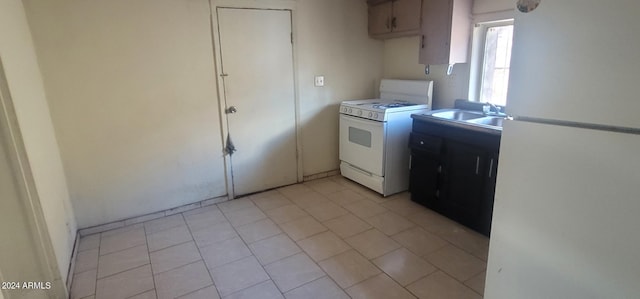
(422,44)
(477,164)
(410,158)
(394,23)
(439,168)
(491,168)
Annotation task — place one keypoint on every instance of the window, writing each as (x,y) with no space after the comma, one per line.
(490,62)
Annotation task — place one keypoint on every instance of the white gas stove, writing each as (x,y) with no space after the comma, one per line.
(374,135)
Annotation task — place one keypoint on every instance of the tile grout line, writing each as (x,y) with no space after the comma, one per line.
(165,229)
(123,249)
(154,289)
(295,242)
(174,245)
(365,197)
(279,225)
(200,253)
(200,289)
(114,274)
(402,246)
(423,257)
(95,288)
(252,255)
(153,277)
(444,239)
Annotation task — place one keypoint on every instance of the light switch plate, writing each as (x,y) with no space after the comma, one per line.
(319,81)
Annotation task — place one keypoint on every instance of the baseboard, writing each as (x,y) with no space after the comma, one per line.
(72,263)
(139,219)
(320,175)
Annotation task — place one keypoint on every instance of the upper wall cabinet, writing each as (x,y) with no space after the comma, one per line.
(446,30)
(388,19)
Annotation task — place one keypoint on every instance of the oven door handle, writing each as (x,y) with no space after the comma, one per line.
(368,122)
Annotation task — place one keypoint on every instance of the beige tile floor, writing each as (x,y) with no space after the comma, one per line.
(328,238)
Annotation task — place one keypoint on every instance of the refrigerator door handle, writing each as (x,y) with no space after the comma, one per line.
(490,167)
(477,164)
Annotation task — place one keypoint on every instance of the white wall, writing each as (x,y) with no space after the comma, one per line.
(401,61)
(491,6)
(332,41)
(134,102)
(400,58)
(32,111)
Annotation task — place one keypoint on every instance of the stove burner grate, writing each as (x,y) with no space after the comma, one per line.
(393,105)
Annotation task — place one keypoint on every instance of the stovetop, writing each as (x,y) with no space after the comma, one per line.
(392,105)
(376,109)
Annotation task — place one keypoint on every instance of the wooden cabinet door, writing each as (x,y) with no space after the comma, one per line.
(446,28)
(426,166)
(465,179)
(406,15)
(489,192)
(424,179)
(436,31)
(380,18)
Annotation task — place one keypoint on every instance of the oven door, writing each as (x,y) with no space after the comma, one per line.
(362,143)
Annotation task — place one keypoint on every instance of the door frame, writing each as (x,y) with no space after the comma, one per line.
(21,170)
(289,5)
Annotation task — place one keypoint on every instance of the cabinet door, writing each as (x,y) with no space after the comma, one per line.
(406,15)
(426,168)
(436,31)
(489,192)
(424,180)
(465,178)
(380,18)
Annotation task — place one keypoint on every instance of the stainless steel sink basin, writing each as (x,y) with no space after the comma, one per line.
(465,119)
(488,120)
(458,115)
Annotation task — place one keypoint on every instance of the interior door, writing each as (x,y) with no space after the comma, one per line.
(257,64)
(26,252)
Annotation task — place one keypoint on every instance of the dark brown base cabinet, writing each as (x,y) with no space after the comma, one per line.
(453,172)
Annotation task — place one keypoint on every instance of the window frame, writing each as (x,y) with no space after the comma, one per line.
(478,44)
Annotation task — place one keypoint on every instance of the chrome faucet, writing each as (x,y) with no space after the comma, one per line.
(492,109)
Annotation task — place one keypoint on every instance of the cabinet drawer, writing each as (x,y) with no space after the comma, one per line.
(425,143)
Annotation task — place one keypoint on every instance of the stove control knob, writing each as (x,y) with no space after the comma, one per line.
(344,109)
(370,114)
(375,115)
(359,112)
(350,110)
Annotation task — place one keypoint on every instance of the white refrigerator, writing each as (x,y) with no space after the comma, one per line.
(566,220)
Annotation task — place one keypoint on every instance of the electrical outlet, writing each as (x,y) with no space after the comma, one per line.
(319,81)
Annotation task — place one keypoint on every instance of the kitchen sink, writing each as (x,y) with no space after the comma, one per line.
(488,120)
(466,119)
(458,115)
